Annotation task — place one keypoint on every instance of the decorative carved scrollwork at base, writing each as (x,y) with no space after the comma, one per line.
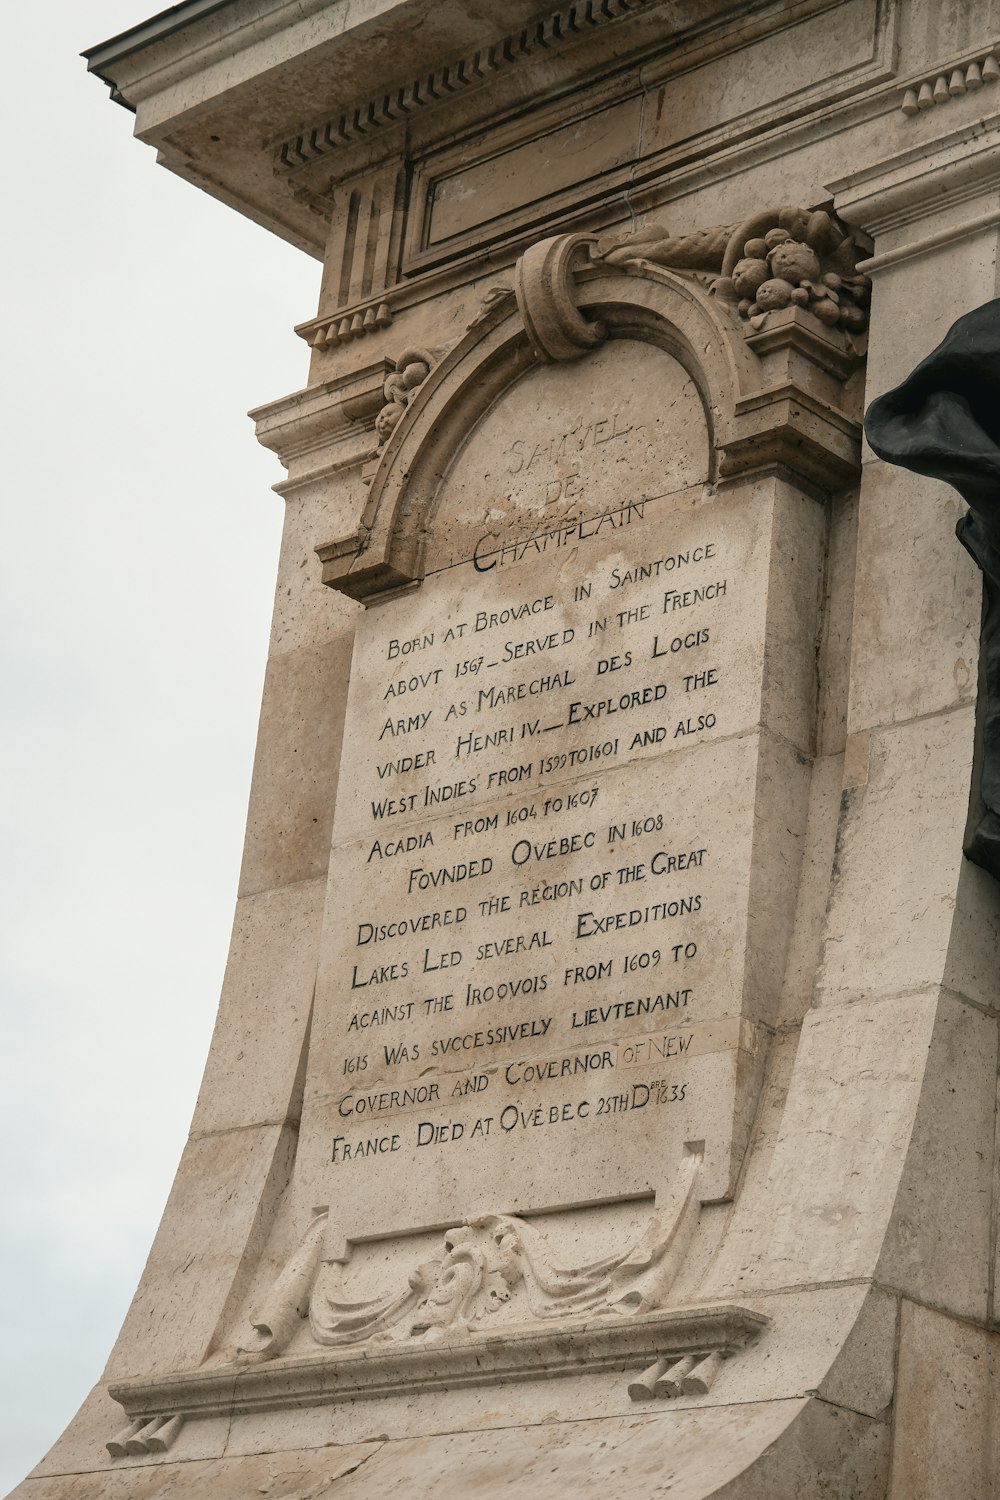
(482,1265)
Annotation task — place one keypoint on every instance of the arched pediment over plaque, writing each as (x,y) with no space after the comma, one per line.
(770,399)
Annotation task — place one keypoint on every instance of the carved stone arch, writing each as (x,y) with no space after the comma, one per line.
(771,401)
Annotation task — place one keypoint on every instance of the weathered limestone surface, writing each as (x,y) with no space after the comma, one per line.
(603,1095)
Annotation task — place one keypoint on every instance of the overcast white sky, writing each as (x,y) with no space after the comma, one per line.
(137,554)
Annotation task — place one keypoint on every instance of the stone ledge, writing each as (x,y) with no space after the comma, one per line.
(533,1353)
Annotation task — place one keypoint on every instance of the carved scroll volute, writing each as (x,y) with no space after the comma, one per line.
(543,282)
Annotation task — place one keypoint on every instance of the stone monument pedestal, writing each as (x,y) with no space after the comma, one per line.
(602,1100)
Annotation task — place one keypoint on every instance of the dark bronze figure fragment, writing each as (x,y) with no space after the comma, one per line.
(944,421)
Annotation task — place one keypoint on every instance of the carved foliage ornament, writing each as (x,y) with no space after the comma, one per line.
(412,368)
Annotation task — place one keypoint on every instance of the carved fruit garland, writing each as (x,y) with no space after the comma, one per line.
(782,257)
(816,271)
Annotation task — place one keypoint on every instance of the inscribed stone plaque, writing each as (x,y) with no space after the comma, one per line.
(533,995)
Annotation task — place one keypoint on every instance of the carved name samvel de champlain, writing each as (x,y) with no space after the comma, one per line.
(570,817)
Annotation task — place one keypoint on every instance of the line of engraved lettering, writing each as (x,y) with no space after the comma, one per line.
(403,764)
(497,618)
(397,1053)
(490,552)
(414,684)
(687,598)
(378,932)
(624,1010)
(411,724)
(558,890)
(635,1096)
(380,974)
(368,1146)
(415,1096)
(471,869)
(552,1069)
(590,924)
(409,845)
(506,989)
(512,692)
(382,1015)
(594,435)
(449,791)
(524,851)
(469,827)
(689,641)
(397,648)
(624,577)
(583,755)
(579,712)
(490,1036)
(519,943)
(389,1100)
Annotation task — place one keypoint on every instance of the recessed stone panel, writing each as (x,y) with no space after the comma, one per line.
(542,984)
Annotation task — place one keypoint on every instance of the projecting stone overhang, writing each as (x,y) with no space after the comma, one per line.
(283,109)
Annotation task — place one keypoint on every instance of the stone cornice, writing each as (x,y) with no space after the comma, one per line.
(927,197)
(357,122)
(540,1352)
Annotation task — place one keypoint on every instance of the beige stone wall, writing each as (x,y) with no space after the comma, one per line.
(863,1223)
